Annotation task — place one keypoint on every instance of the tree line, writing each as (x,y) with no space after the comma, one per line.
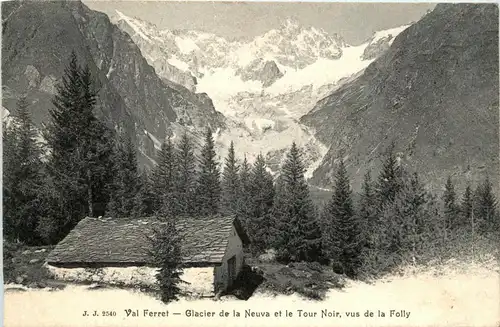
(83,168)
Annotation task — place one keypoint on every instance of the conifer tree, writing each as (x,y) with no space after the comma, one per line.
(297,236)
(341,236)
(208,188)
(261,191)
(466,207)
(163,178)
(81,147)
(185,184)
(22,177)
(450,207)
(367,211)
(230,184)
(145,198)
(167,257)
(402,222)
(485,208)
(62,140)
(389,179)
(95,149)
(244,193)
(126,184)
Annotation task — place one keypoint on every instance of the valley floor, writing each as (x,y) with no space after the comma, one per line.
(456,294)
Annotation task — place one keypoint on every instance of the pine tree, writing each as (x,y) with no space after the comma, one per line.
(95,149)
(163,178)
(99,167)
(450,206)
(261,195)
(166,255)
(389,180)
(230,183)
(185,183)
(22,179)
(63,170)
(208,188)
(126,179)
(485,208)
(368,218)
(81,147)
(145,198)
(466,207)
(296,229)
(244,193)
(341,243)
(403,221)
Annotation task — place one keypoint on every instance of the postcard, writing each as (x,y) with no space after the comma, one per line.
(199,163)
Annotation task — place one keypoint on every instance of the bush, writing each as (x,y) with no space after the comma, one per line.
(22,265)
(309,279)
(459,246)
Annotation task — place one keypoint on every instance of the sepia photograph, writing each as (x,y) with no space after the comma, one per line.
(247,163)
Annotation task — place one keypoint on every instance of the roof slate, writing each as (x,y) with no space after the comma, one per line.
(126,240)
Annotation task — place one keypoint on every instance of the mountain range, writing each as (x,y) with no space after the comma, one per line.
(263,85)
(431,85)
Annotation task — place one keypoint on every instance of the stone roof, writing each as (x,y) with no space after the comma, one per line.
(126,241)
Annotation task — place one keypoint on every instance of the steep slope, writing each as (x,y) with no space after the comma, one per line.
(434,92)
(154,52)
(380,42)
(38,38)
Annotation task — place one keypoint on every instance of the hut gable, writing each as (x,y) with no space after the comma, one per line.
(108,242)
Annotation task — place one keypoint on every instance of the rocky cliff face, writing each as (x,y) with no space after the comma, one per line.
(37,40)
(266,72)
(434,92)
(154,53)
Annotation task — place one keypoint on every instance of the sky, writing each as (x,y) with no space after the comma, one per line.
(355,22)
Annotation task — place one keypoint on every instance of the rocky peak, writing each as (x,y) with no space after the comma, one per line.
(297,46)
(266,72)
(291,25)
(270,73)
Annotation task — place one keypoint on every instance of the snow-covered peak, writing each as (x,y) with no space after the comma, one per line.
(136,25)
(300,55)
(292,45)
(381,41)
(290,25)
(389,34)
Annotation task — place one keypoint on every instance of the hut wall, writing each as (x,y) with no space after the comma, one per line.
(234,248)
(199,280)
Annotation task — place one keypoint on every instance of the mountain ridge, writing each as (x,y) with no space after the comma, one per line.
(418,93)
(131,96)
